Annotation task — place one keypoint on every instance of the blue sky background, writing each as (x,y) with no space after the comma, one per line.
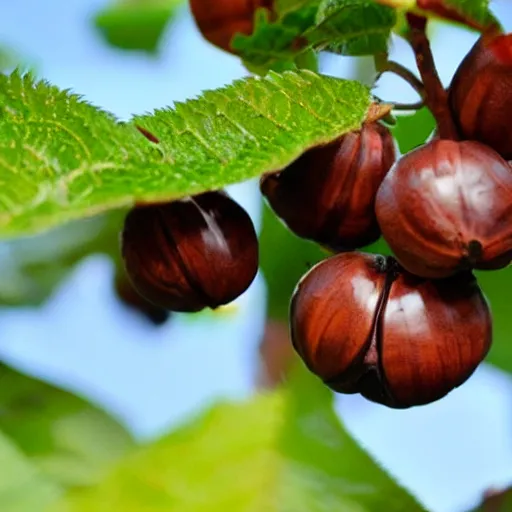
(447,453)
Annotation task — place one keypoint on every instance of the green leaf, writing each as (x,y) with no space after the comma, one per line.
(62,159)
(349,27)
(333,466)
(32,267)
(69,440)
(496,286)
(279,452)
(22,487)
(353,27)
(136,24)
(276,45)
(284,259)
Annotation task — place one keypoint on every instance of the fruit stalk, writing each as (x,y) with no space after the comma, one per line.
(436,97)
(384,65)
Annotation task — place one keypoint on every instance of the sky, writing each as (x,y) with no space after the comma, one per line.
(152,379)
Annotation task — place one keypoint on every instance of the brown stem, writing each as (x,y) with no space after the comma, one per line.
(390,66)
(436,97)
(405,106)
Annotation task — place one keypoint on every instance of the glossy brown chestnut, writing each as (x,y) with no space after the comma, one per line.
(480,94)
(127,294)
(191,253)
(220,20)
(364,325)
(328,194)
(446,207)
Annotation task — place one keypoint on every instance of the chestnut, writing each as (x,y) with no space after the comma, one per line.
(447,206)
(191,253)
(327,195)
(365,325)
(220,20)
(480,93)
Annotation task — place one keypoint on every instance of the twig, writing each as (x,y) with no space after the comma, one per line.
(404,106)
(436,97)
(390,66)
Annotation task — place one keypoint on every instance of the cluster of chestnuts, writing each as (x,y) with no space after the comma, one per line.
(402,330)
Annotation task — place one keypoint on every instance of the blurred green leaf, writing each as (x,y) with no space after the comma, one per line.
(32,267)
(279,452)
(67,438)
(496,286)
(332,471)
(284,258)
(411,131)
(22,487)
(136,24)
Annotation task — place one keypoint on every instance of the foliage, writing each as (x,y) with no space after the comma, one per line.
(136,24)
(284,451)
(284,259)
(22,487)
(69,440)
(33,266)
(348,27)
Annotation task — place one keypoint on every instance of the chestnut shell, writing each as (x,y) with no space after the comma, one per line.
(446,207)
(364,325)
(480,93)
(191,253)
(327,195)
